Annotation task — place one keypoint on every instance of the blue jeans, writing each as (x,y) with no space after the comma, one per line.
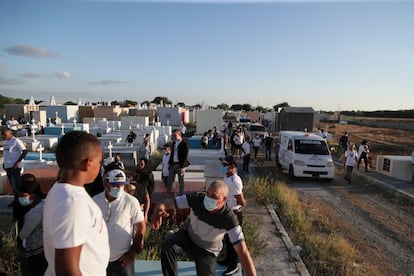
(115,268)
(14,176)
(205,261)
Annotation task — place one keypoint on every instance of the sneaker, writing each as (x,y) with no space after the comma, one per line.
(231,270)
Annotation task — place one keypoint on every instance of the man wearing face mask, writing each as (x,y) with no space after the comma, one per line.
(209,220)
(121,211)
(235,201)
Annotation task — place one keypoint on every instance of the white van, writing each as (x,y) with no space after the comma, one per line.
(259,129)
(305,154)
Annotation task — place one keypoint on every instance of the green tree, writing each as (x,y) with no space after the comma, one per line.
(247,107)
(236,107)
(223,106)
(131,103)
(284,104)
(165,100)
(70,103)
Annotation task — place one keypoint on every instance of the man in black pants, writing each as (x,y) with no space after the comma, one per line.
(235,201)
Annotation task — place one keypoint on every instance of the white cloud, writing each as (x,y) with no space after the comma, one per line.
(29,51)
(63,75)
(108,82)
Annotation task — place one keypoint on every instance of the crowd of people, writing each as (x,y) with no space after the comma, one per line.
(94,219)
(353,157)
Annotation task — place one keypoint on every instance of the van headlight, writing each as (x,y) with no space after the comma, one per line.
(330,164)
(299,163)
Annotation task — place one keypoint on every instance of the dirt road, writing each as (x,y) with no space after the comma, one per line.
(379,226)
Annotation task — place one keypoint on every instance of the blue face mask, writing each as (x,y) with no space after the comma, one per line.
(25,201)
(224,169)
(116,191)
(210,203)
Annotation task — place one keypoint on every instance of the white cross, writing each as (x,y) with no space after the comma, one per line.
(110,149)
(40,149)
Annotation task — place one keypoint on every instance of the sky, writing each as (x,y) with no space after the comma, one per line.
(329,55)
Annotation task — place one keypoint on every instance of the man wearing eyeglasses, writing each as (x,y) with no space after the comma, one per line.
(122,213)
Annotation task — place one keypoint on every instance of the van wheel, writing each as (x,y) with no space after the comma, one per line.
(291,173)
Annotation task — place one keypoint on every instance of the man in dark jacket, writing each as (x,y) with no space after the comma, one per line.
(178,161)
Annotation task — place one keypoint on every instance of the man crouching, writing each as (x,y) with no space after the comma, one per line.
(209,220)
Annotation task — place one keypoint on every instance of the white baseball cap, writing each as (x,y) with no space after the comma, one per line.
(117,177)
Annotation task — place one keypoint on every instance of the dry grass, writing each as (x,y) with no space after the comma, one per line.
(325,251)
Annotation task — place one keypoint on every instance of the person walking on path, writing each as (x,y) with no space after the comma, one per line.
(246,154)
(236,202)
(125,222)
(14,151)
(74,230)
(351,159)
(257,142)
(343,142)
(363,152)
(144,186)
(209,220)
(178,161)
(268,146)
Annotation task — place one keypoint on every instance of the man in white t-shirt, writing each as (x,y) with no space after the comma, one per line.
(14,151)
(257,142)
(74,231)
(122,213)
(235,201)
(12,124)
(351,159)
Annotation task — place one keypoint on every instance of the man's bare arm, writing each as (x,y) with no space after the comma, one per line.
(246,260)
(67,261)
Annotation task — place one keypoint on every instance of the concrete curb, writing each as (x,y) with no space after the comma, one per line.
(294,255)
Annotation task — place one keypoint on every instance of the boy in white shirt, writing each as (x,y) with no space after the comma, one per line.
(74,231)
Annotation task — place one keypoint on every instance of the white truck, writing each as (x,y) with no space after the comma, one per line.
(305,154)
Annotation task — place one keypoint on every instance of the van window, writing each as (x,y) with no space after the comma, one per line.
(311,147)
(257,128)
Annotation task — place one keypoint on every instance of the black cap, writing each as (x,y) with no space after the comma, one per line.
(228,160)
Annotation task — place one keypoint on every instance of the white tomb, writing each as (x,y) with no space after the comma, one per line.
(400,167)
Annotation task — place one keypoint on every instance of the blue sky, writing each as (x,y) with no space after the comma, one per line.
(330,55)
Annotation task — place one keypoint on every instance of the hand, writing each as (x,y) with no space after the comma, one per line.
(156,220)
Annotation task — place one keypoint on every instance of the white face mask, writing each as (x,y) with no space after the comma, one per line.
(210,203)
(25,201)
(116,191)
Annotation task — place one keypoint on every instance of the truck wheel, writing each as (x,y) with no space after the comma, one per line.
(291,173)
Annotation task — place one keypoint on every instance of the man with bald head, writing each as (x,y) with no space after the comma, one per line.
(209,220)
